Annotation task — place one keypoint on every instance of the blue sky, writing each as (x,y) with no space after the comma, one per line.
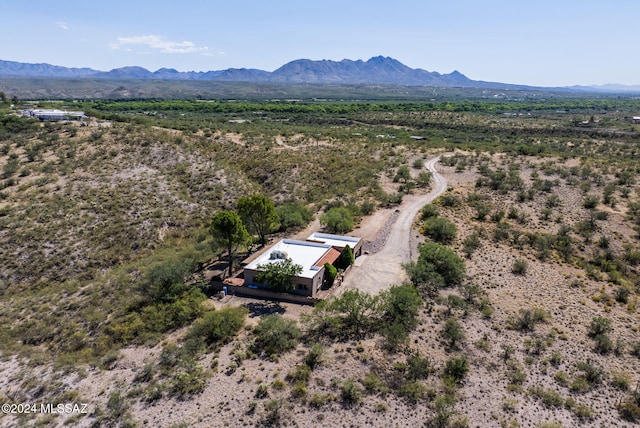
(545,43)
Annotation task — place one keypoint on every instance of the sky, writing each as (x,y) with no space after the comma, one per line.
(540,43)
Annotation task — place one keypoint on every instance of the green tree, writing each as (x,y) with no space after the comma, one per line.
(216,328)
(293,214)
(353,314)
(279,274)
(227,229)
(440,229)
(163,281)
(428,211)
(338,220)
(258,212)
(330,273)
(403,174)
(437,266)
(346,258)
(401,305)
(275,335)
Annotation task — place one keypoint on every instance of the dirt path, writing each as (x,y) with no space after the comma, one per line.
(376,272)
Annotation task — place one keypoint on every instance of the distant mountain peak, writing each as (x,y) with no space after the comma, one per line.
(376,70)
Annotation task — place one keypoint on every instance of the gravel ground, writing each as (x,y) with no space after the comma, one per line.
(383,269)
(372,247)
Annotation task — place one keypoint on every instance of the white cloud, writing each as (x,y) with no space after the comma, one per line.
(62,25)
(158,42)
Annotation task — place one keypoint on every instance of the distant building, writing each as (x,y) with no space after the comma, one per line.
(54,115)
(636,119)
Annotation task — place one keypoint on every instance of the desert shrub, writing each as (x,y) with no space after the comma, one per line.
(620,380)
(482,211)
(424,179)
(367,207)
(217,327)
(275,335)
(590,202)
(449,200)
(418,367)
(412,391)
(353,314)
(373,384)
(561,377)
(599,325)
(470,244)
(548,396)
(293,215)
(629,408)
(439,229)
(278,384)
(313,357)
(299,391)
(187,378)
(622,294)
(598,331)
(519,267)
(163,281)
(337,220)
(273,410)
(400,305)
(350,392)
(452,332)
(603,344)
(395,336)
(516,376)
(319,400)
(502,231)
(564,243)
(443,407)
(456,368)
(262,391)
(528,318)
(428,211)
(437,266)
(591,372)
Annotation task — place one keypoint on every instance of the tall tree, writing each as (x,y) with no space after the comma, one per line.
(258,212)
(346,258)
(227,229)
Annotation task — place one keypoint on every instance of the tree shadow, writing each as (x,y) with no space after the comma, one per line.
(264,308)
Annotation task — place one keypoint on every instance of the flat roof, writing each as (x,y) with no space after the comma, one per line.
(305,254)
(334,240)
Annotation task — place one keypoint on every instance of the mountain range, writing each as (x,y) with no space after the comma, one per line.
(377,70)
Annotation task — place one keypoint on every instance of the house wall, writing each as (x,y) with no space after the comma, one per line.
(302,286)
(263,294)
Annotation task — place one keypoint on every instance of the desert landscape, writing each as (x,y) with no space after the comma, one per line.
(498,288)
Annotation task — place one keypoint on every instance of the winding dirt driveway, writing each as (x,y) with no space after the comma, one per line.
(373,273)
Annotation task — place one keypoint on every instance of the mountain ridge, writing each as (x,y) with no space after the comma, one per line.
(376,70)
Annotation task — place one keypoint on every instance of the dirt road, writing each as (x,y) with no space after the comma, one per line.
(376,272)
